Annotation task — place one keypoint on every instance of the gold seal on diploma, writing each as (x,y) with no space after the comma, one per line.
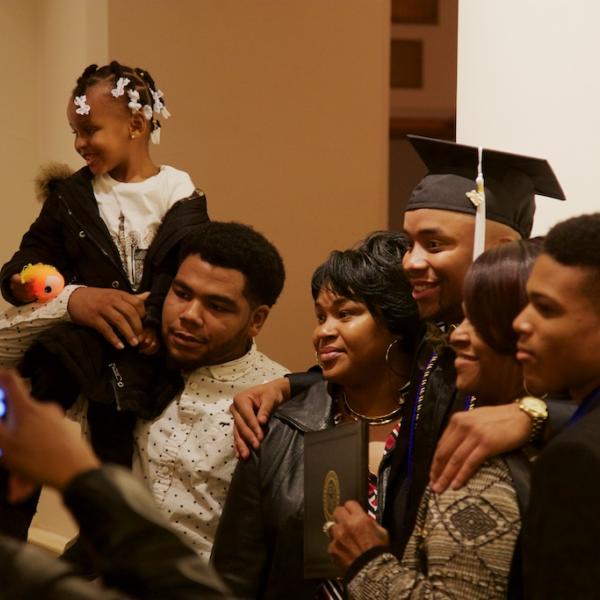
(331,494)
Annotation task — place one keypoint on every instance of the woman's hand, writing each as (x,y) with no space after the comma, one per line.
(353,533)
(251,409)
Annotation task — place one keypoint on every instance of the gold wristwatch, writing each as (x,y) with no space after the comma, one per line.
(536,409)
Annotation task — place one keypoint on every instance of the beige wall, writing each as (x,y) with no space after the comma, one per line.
(20,118)
(280,114)
(44,44)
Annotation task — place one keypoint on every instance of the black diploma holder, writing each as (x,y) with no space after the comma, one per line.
(336,469)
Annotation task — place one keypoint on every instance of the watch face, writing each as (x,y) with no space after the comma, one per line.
(534,406)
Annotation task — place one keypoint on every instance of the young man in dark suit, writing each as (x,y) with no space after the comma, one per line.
(559,347)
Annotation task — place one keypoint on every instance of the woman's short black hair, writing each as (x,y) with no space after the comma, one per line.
(237,246)
(494,291)
(372,273)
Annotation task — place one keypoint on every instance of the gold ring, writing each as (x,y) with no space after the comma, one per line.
(327,527)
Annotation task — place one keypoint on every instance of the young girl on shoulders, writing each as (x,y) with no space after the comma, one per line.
(112,226)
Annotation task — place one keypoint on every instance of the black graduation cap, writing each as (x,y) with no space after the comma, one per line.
(511,182)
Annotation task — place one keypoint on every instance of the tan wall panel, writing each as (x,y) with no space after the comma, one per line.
(280,114)
(20,119)
(44,45)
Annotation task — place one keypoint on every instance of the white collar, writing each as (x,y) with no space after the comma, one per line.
(231,370)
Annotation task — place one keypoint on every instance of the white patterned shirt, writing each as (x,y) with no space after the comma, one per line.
(133,212)
(20,325)
(186,455)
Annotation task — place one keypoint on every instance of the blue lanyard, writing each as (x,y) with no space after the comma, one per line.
(585,407)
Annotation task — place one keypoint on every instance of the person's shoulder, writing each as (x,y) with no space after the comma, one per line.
(175,184)
(168,173)
(168,170)
(489,493)
(54,178)
(577,442)
(263,362)
(309,410)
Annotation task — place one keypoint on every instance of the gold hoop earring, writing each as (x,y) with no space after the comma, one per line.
(317,359)
(388,350)
(387,357)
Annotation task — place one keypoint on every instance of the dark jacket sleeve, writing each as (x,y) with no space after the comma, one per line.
(240,551)
(27,572)
(132,545)
(559,413)
(43,242)
(137,555)
(184,217)
(561,531)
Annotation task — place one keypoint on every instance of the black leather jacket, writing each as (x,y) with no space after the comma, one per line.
(134,550)
(258,549)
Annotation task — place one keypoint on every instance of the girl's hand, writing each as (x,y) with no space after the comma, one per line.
(149,341)
(21,291)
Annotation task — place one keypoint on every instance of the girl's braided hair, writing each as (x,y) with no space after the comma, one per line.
(140,81)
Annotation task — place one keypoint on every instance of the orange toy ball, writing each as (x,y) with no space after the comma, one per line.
(44,281)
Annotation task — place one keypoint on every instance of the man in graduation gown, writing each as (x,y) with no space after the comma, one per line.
(440,221)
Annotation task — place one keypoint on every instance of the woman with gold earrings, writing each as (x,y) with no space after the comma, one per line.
(463,541)
(365,335)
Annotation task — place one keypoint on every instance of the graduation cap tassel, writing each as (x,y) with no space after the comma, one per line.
(477,197)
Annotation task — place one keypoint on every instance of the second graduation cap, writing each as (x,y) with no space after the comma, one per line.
(511,182)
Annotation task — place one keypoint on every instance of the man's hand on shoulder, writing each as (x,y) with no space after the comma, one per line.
(251,409)
(474,436)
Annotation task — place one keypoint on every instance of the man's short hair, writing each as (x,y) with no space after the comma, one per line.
(237,246)
(576,243)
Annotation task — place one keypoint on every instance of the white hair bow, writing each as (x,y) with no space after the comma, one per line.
(159,106)
(119,88)
(134,96)
(83,108)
